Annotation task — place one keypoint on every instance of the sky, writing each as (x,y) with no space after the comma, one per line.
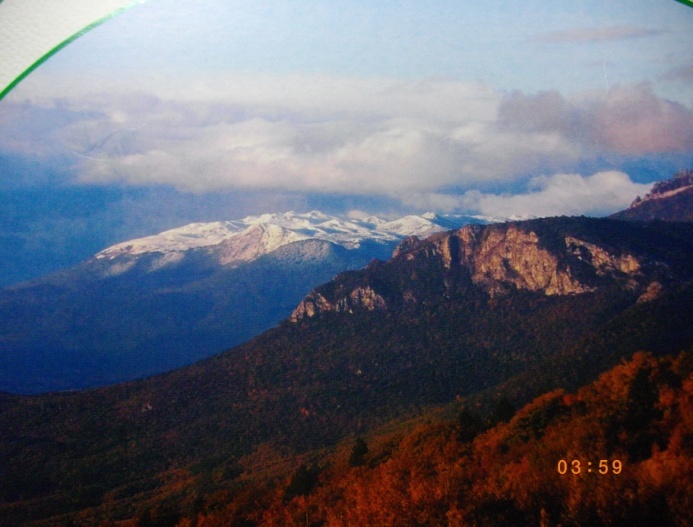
(175,112)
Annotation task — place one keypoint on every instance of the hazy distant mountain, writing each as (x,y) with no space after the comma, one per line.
(152,304)
(514,309)
(669,200)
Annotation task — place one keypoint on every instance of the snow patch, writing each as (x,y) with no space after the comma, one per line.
(253,236)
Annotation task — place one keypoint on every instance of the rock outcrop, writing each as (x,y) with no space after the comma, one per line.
(359,298)
(552,256)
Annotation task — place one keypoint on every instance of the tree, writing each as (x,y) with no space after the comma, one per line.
(470,425)
(358,453)
(302,482)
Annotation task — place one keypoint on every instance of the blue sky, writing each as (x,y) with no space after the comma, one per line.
(176,112)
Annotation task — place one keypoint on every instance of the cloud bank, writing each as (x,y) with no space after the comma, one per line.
(561,194)
(628,120)
(411,140)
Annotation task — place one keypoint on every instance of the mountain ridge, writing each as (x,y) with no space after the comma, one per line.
(668,200)
(158,303)
(512,256)
(236,241)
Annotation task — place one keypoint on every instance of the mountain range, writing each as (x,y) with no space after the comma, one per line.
(152,304)
(482,317)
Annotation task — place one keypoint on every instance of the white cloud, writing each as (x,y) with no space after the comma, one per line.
(561,194)
(412,140)
(304,133)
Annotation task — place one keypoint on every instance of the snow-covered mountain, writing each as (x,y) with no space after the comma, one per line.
(236,241)
(156,303)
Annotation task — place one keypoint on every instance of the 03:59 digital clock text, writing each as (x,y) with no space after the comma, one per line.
(576,467)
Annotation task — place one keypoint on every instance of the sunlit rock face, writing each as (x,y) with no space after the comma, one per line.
(512,257)
(359,298)
(496,259)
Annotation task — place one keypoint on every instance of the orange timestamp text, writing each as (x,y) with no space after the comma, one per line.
(576,466)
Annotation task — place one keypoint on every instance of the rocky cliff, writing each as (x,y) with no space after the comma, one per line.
(552,256)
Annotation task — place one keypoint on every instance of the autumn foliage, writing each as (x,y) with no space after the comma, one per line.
(639,413)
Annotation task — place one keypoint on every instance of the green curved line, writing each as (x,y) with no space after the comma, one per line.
(60,46)
(91,26)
